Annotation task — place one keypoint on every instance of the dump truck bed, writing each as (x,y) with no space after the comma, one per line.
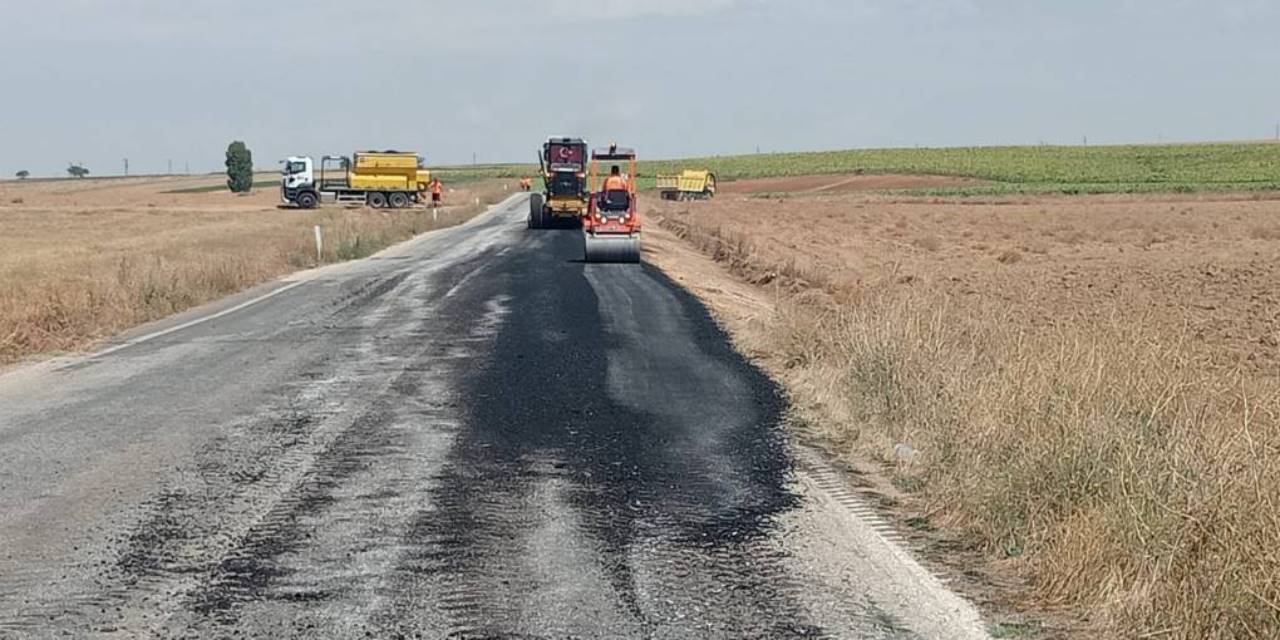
(687,183)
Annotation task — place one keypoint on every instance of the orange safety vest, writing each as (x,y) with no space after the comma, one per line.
(615,183)
(437,188)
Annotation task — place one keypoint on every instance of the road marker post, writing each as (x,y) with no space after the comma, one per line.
(319,245)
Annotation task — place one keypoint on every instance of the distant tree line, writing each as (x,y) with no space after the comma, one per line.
(77,171)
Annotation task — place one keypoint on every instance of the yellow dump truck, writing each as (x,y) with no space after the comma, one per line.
(394,179)
(687,185)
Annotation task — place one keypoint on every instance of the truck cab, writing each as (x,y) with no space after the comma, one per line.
(297,177)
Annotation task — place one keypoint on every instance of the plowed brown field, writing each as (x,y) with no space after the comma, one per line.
(1085,389)
(1203,269)
(839,183)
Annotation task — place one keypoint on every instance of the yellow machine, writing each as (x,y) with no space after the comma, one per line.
(564,198)
(378,179)
(687,185)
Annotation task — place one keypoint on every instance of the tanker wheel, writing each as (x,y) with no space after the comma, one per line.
(377,200)
(398,200)
(307,200)
(536,209)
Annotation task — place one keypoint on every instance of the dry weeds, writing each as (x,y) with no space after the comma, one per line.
(80,262)
(1112,447)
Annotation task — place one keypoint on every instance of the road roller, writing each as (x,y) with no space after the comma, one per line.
(611,227)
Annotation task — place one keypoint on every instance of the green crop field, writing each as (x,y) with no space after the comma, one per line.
(1010,170)
(471,173)
(1170,168)
(1037,169)
(1245,166)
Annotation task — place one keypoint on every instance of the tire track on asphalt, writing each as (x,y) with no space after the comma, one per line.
(639,493)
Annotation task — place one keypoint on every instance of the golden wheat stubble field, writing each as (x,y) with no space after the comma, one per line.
(84,259)
(1092,383)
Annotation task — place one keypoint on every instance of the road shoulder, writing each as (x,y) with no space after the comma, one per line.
(36,365)
(746,311)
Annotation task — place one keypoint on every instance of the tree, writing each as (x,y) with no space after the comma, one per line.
(239,168)
(77,171)
(23,175)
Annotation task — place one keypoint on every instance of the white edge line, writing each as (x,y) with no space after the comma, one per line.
(248,303)
(198,321)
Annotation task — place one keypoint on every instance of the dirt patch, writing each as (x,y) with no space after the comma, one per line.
(844,183)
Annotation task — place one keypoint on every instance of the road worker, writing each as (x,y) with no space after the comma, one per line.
(437,192)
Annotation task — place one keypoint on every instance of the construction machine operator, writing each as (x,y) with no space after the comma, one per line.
(614,192)
(615,180)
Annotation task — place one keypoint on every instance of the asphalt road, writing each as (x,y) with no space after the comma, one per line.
(472,435)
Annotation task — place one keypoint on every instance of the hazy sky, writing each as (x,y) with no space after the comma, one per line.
(100,80)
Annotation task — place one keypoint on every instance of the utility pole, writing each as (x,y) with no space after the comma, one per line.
(126,167)
(170,166)
(186,168)
(473,158)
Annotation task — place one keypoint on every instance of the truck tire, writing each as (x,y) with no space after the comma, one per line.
(398,200)
(536,217)
(307,200)
(376,199)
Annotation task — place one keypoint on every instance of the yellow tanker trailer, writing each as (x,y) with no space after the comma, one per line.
(379,179)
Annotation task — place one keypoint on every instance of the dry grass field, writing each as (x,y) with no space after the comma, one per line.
(84,259)
(1085,389)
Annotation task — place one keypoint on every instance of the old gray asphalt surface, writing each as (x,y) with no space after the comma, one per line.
(474,435)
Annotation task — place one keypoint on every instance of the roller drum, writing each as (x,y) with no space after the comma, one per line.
(612,249)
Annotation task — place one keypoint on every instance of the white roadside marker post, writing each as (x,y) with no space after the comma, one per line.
(319,245)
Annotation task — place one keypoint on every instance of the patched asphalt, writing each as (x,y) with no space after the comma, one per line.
(476,435)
